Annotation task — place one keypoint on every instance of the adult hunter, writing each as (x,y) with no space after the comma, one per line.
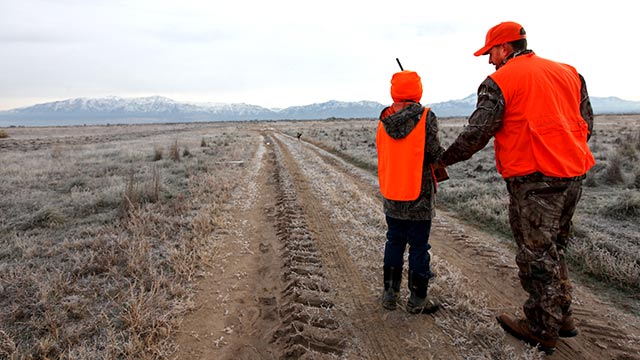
(540,116)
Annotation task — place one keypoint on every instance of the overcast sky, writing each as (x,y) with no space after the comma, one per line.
(285,53)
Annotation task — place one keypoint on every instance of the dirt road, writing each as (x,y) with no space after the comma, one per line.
(299,276)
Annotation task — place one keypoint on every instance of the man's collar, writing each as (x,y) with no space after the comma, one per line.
(516,54)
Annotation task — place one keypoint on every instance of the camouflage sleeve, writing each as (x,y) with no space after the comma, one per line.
(585,106)
(434,148)
(483,124)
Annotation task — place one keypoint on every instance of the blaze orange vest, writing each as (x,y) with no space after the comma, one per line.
(400,162)
(543,130)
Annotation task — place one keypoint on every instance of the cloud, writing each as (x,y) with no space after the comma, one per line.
(285,52)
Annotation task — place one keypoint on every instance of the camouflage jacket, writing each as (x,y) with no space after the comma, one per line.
(398,121)
(486,120)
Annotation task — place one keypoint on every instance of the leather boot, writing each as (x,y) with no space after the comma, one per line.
(519,328)
(568,327)
(418,302)
(392,280)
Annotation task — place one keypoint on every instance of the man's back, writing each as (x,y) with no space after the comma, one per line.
(543,130)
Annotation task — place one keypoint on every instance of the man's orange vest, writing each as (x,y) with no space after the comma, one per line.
(400,162)
(542,128)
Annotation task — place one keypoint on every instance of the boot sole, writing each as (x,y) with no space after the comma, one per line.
(546,349)
(423,310)
(389,306)
(429,310)
(568,333)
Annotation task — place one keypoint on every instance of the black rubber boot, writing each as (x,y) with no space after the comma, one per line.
(418,303)
(392,280)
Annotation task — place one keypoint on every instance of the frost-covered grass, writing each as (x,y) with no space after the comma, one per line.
(101,237)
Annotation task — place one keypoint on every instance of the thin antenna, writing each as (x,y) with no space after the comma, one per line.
(398,60)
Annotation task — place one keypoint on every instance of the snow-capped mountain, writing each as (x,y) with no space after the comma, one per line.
(333,108)
(161,109)
(153,104)
(157,108)
(601,105)
(614,105)
(453,108)
(145,107)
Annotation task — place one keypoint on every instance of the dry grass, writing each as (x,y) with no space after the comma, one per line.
(3,134)
(102,235)
(626,206)
(100,243)
(174,151)
(157,153)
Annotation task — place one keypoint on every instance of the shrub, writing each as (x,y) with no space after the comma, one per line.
(155,185)
(7,346)
(157,153)
(626,206)
(186,152)
(636,180)
(203,143)
(593,142)
(47,217)
(4,134)
(130,197)
(136,194)
(77,182)
(590,181)
(56,152)
(603,260)
(627,149)
(174,152)
(613,173)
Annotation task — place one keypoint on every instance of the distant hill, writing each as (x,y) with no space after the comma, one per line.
(160,109)
(601,105)
(614,105)
(455,108)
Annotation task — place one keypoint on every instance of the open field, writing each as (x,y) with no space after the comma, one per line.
(239,241)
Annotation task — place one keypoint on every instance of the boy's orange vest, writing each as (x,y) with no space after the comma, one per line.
(400,162)
(543,130)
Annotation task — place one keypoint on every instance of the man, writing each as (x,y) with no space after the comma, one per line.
(407,143)
(540,115)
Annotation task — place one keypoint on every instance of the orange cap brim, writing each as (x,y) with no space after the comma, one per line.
(485,49)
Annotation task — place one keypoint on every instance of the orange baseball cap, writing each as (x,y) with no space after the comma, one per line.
(502,33)
(406,85)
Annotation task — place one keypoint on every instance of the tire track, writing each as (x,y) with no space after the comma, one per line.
(308,327)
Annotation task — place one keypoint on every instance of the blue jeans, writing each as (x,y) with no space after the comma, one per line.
(416,234)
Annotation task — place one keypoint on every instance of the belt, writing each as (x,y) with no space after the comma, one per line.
(540,177)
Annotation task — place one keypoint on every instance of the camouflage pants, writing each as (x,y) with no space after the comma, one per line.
(540,215)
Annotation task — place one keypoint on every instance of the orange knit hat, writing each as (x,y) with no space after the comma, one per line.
(406,85)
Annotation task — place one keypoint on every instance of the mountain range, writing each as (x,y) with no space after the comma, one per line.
(161,109)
